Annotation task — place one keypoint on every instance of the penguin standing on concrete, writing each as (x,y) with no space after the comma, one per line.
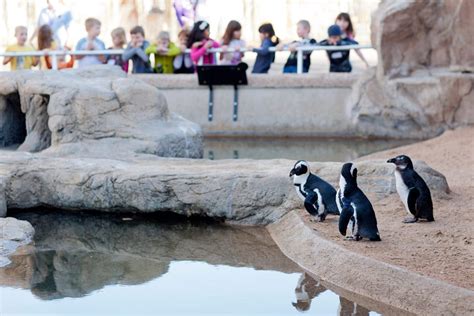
(412,189)
(356,209)
(319,196)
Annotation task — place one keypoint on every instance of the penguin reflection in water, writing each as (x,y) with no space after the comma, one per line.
(319,196)
(412,189)
(356,209)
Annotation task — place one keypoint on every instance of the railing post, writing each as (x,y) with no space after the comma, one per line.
(54,61)
(299,60)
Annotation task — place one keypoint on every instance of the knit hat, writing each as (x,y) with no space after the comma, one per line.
(334,30)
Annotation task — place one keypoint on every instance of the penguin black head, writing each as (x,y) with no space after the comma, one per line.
(348,179)
(301,167)
(402,162)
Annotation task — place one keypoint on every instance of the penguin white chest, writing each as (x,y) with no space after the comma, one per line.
(402,189)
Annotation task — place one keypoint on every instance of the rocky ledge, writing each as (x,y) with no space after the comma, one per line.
(13,234)
(239,191)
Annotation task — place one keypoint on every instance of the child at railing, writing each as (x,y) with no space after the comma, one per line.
(232,40)
(91,42)
(348,32)
(265,57)
(199,42)
(119,39)
(164,52)
(303,28)
(182,63)
(339,59)
(47,43)
(20,62)
(135,51)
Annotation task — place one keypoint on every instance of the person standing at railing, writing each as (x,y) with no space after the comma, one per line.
(339,59)
(348,32)
(119,39)
(265,57)
(47,43)
(164,52)
(59,23)
(91,42)
(182,63)
(135,51)
(199,42)
(20,62)
(303,28)
(231,39)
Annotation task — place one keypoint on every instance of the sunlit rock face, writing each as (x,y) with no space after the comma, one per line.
(96,111)
(14,233)
(423,83)
(250,192)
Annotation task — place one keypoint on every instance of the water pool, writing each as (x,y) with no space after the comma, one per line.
(320,149)
(102,264)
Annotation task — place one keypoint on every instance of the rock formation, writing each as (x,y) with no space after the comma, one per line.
(423,83)
(13,234)
(94,112)
(252,192)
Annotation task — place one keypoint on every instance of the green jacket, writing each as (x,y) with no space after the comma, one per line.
(163,63)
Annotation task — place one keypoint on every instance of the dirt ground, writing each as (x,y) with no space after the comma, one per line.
(442,249)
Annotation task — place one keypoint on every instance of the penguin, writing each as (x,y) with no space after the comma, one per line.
(319,196)
(355,207)
(412,189)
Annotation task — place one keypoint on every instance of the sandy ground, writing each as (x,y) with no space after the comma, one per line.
(442,249)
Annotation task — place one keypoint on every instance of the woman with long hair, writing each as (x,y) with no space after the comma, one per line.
(232,40)
(344,21)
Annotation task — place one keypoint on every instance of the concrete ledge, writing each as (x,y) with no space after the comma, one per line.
(329,80)
(368,277)
(271,105)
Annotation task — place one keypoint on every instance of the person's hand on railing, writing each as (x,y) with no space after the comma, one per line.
(250,47)
(292,47)
(224,48)
(196,44)
(208,44)
(280,47)
(90,46)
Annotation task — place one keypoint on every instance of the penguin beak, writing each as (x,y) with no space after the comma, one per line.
(292,172)
(391,160)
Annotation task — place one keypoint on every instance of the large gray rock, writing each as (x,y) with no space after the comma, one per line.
(239,191)
(423,83)
(95,112)
(13,234)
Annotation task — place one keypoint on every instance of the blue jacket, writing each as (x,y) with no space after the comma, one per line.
(141,63)
(265,57)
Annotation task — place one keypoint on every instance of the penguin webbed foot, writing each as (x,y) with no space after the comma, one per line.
(353,238)
(410,220)
(321,218)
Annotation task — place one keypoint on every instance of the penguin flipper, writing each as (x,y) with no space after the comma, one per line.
(311,203)
(346,215)
(413,196)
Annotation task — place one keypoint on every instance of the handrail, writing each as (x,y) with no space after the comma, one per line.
(300,49)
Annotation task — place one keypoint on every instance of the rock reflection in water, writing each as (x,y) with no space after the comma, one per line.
(75,255)
(295,148)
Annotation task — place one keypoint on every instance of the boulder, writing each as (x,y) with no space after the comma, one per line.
(14,233)
(96,111)
(423,83)
(245,192)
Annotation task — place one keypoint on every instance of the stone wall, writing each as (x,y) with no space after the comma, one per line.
(423,83)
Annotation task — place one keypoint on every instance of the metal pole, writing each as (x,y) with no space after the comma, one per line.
(299,61)
(54,61)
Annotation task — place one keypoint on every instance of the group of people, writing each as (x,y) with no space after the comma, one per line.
(191,50)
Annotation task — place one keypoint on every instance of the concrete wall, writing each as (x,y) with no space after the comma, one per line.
(271,105)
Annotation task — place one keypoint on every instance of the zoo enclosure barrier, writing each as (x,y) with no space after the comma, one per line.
(299,52)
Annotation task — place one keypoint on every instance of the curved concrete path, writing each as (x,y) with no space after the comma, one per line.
(377,280)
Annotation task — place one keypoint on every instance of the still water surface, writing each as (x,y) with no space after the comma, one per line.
(101,264)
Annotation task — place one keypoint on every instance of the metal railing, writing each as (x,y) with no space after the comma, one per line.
(299,52)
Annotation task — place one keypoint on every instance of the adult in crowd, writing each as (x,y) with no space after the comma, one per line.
(58,19)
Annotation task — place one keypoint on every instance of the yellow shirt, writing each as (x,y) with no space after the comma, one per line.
(20,62)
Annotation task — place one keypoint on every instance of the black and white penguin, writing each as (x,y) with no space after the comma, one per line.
(412,189)
(356,209)
(319,196)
